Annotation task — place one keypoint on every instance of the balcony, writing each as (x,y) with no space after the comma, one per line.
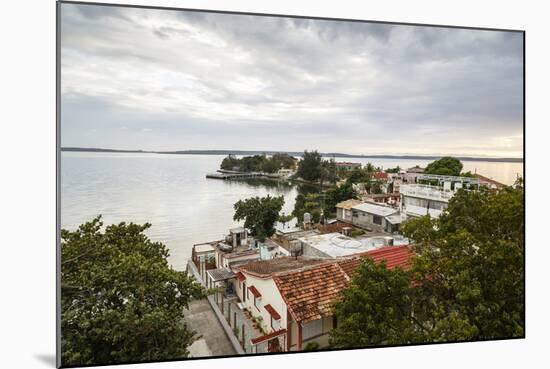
(426,192)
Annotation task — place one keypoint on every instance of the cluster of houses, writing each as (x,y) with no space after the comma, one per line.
(413,194)
(277,295)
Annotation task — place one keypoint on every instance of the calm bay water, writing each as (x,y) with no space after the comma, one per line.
(172,193)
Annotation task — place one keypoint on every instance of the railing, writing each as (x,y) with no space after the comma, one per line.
(426,191)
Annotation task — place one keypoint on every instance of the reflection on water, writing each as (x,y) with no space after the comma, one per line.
(172,193)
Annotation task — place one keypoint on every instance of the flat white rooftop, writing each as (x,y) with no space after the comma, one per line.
(336,244)
(382,211)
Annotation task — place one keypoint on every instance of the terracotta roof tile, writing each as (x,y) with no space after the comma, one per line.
(395,256)
(264,268)
(309,293)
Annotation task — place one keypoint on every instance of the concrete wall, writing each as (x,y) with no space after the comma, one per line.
(309,251)
(344,215)
(270,295)
(323,338)
(365,220)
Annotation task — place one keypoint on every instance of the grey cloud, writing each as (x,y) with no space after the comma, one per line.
(344,86)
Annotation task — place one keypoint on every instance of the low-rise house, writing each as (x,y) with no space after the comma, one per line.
(346,165)
(381,176)
(343,210)
(391,199)
(396,180)
(308,295)
(373,217)
(489,182)
(412,174)
(292,297)
(285,173)
(255,286)
(336,245)
(419,200)
(287,238)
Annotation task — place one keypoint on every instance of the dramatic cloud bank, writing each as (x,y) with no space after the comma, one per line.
(167,80)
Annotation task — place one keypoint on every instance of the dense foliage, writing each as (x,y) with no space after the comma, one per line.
(259,214)
(337,194)
(447,166)
(393,170)
(308,203)
(466,282)
(310,167)
(259,163)
(360,175)
(120,300)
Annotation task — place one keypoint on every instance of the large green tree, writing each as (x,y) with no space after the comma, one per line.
(259,214)
(284,160)
(308,203)
(120,299)
(466,282)
(359,175)
(447,166)
(310,167)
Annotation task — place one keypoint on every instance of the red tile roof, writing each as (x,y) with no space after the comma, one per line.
(240,276)
(309,293)
(255,291)
(268,336)
(274,314)
(489,180)
(380,175)
(264,268)
(395,256)
(349,265)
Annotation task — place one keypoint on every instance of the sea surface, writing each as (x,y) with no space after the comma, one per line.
(172,193)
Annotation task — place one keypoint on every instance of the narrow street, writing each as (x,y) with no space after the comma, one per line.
(213,340)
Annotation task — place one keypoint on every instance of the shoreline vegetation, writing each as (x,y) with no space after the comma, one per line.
(299,154)
(465,281)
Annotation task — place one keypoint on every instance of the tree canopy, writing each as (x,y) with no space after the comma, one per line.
(259,163)
(120,300)
(359,175)
(310,167)
(308,203)
(447,166)
(259,214)
(466,282)
(393,170)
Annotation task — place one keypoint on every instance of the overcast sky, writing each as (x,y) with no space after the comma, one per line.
(176,80)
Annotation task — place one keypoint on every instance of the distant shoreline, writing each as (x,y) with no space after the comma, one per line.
(293,153)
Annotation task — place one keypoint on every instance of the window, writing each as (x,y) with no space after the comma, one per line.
(377,219)
(257,302)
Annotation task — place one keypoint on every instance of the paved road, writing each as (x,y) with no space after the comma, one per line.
(214,341)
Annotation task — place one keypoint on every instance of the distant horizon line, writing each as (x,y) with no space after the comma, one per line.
(293,153)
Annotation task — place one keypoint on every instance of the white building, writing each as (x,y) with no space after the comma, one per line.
(419,200)
(373,217)
(343,210)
